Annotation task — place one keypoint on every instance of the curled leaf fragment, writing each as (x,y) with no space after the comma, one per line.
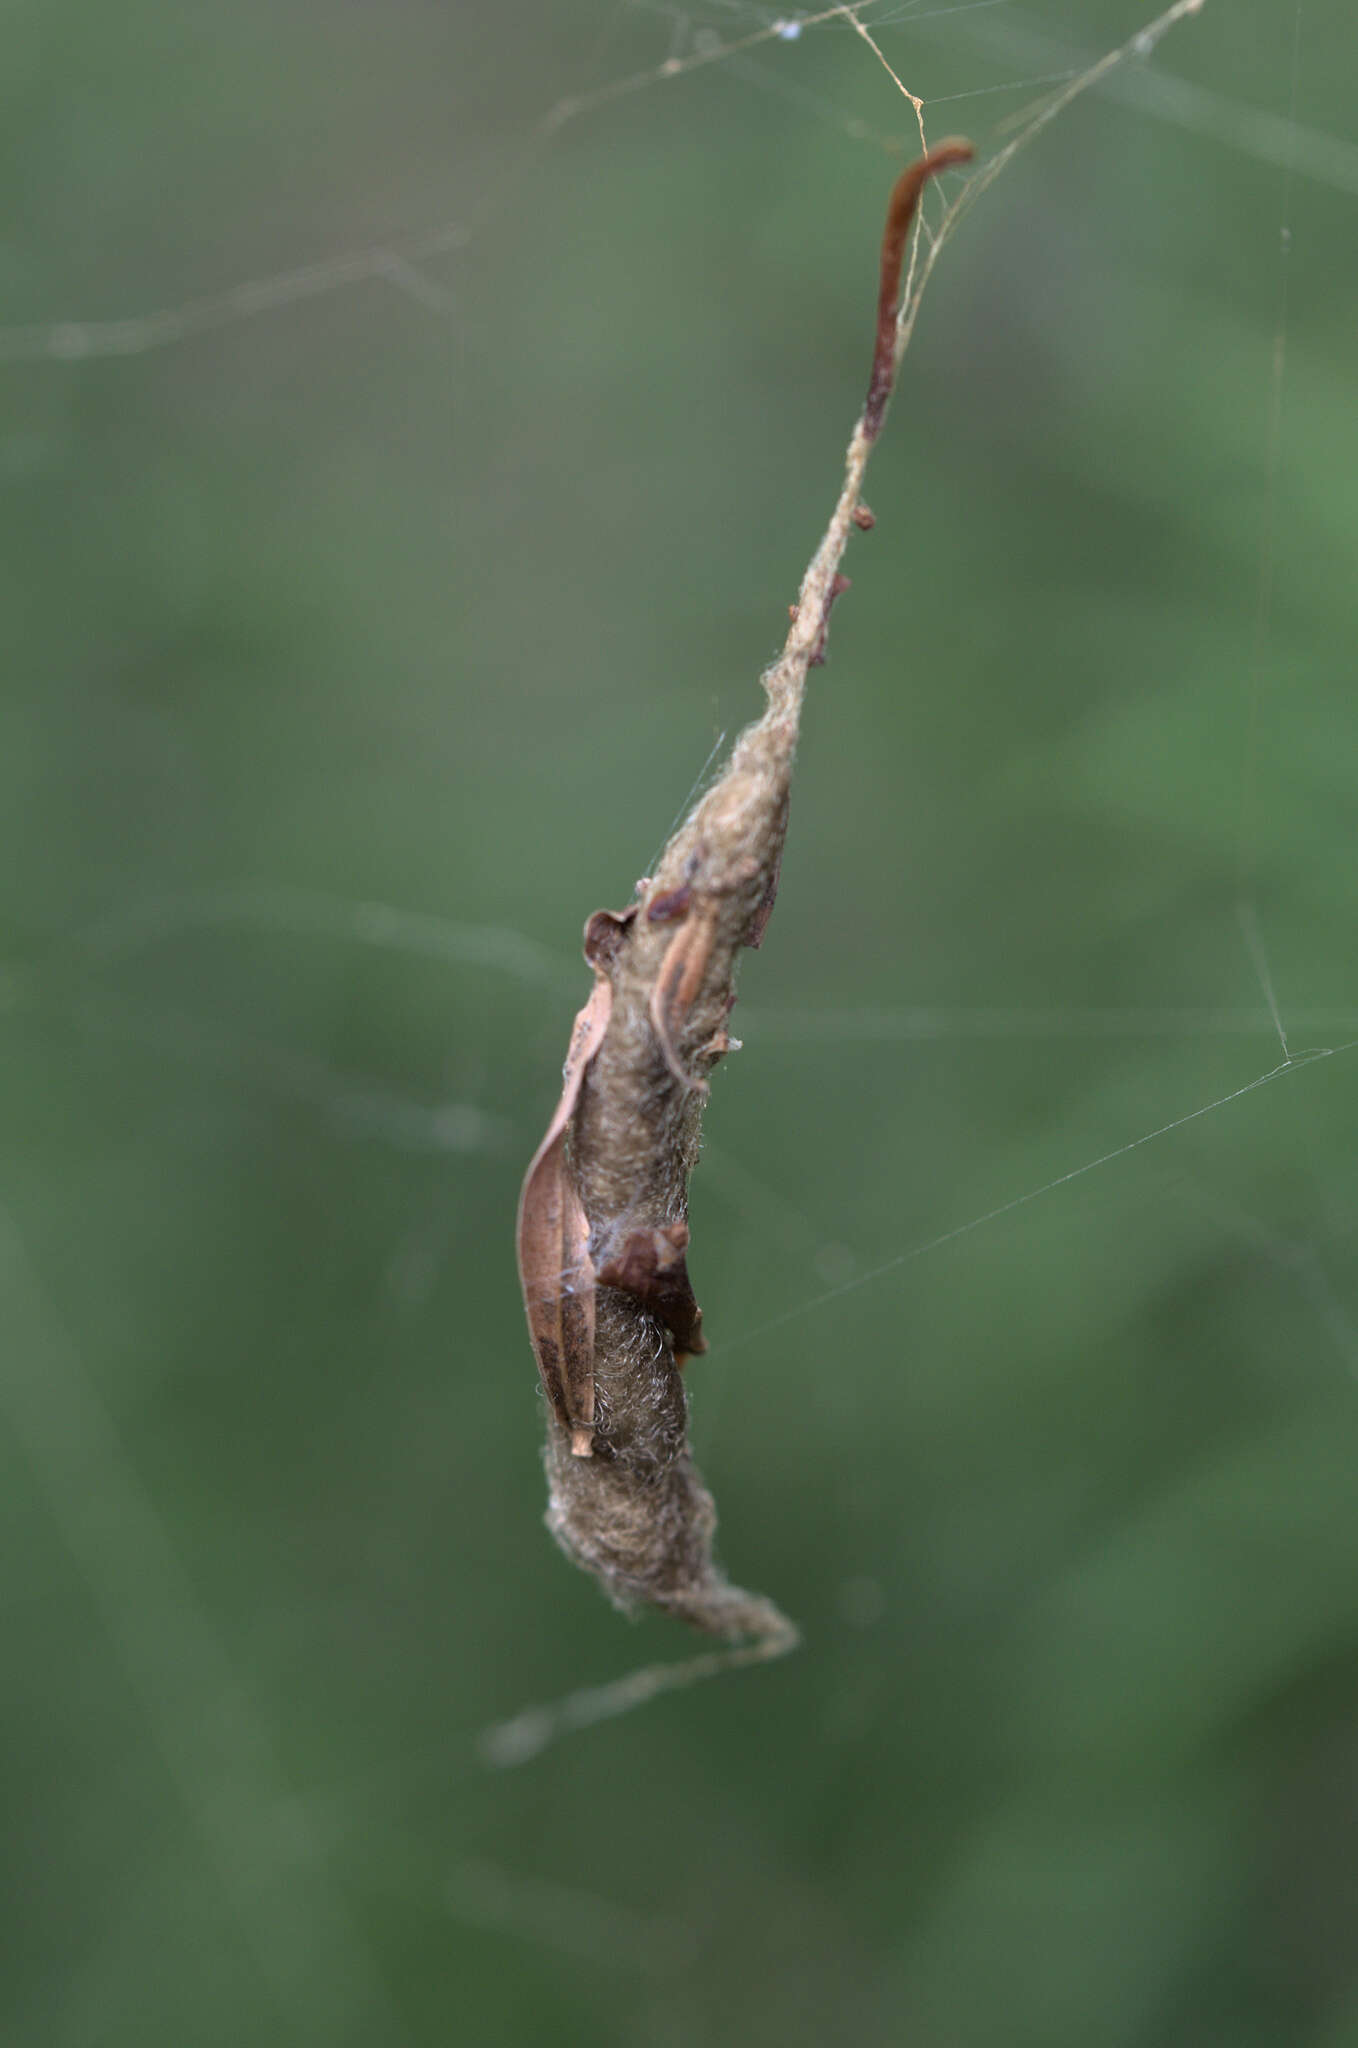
(555,1268)
(652,1267)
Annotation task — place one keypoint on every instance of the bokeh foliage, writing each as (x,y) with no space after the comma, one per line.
(440,606)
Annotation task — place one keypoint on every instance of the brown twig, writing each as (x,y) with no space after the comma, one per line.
(900,214)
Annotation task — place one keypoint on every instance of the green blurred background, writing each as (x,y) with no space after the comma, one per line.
(356,648)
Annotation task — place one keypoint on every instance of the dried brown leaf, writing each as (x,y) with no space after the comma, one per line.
(555,1269)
